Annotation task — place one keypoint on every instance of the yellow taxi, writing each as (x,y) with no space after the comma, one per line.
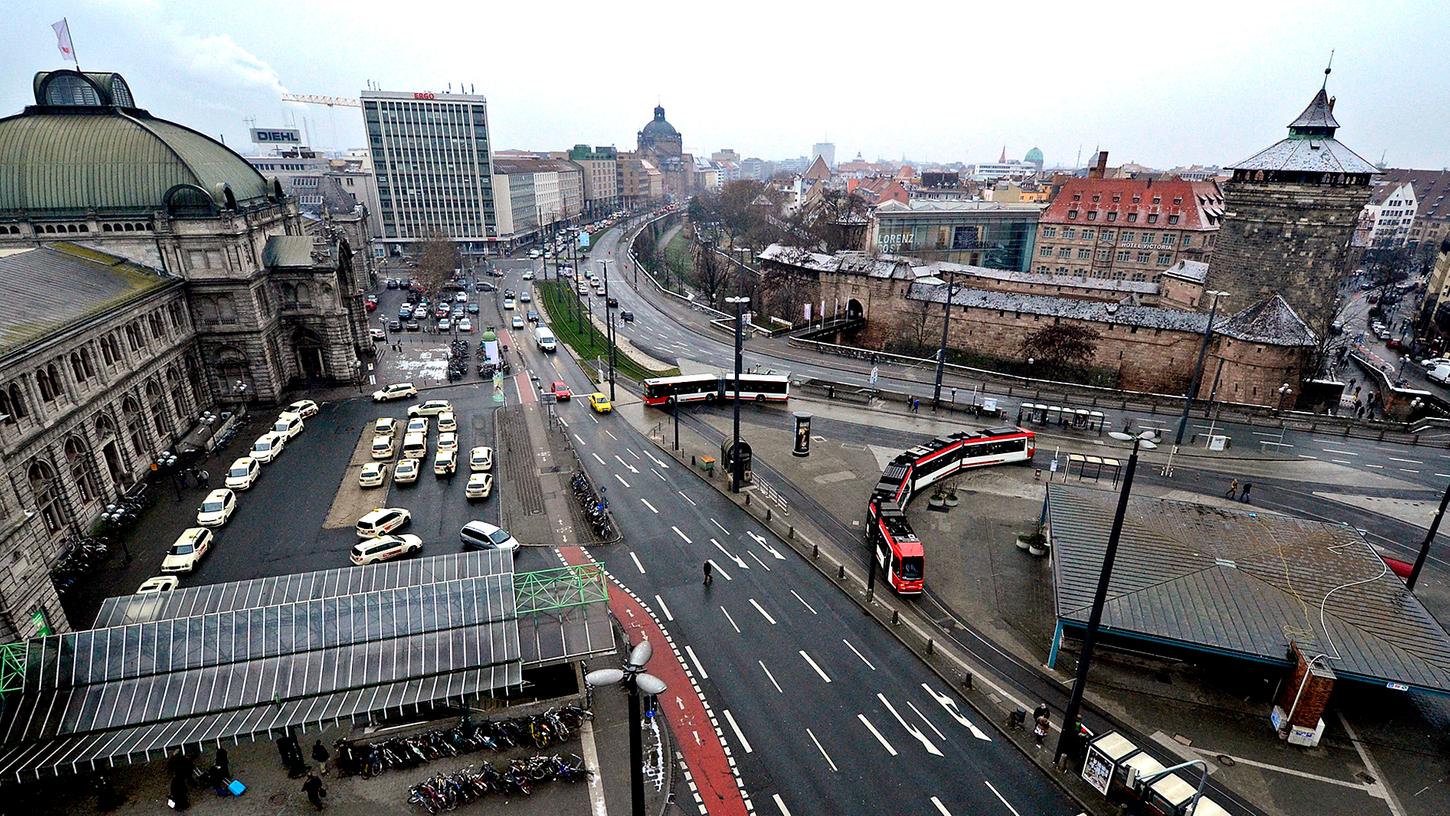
(600,403)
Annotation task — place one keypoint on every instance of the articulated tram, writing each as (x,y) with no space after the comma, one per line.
(898,551)
(709,388)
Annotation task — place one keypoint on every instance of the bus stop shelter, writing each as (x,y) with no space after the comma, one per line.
(248,659)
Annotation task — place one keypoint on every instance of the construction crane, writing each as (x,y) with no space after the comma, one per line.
(329,101)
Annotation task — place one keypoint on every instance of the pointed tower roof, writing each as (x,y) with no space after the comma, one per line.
(1003,159)
(1317,119)
(1311,146)
(1271,321)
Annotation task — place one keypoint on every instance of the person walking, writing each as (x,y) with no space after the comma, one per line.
(1233,489)
(204,478)
(314,790)
(1245,496)
(1039,728)
(222,767)
(320,756)
(709,575)
(180,795)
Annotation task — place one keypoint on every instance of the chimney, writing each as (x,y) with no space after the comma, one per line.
(1100,165)
(1331,104)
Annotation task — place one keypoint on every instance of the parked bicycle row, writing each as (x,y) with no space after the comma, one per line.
(595,507)
(448,791)
(553,727)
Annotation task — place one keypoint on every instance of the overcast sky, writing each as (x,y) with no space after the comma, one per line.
(1159,83)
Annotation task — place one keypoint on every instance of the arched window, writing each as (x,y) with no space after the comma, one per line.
(304,295)
(131,416)
(17,401)
(46,492)
(45,385)
(76,369)
(82,469)
(105,427)
(6,410)
(160,418)
(178,391)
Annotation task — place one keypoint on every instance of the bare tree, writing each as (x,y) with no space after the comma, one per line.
(437,259)
(1058,348)
(710,270)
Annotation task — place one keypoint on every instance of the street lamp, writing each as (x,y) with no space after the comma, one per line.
(635,680)
(1198,369)
(1067,742)
(941,357)
(608,327)
(737,464)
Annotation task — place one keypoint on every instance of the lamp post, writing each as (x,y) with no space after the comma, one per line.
(941,356)
(736,463)
(675,415)
(1198,369)
(608,327)
(1067,742)
(635,680)
(1425,545)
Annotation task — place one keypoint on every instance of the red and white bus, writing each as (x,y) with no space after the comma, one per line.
(709,387)
(895,545)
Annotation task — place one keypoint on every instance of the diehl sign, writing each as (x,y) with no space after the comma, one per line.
(276,136)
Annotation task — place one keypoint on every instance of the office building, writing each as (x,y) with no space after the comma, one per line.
(826,151)
(600,166)
(976,233)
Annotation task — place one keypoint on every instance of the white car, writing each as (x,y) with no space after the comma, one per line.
(243,473)
(430,408)
(395,391)
(373,474)
(465,325)
(1435,362)
(187,551)
(447,442)
(518,322)
(381,521)
(528,274)
(460,297)
(303,408)
(416,425)
(480,535)
(385,426)
(1439,374)
(480,485)
(288,424)
(480,459)
(445,462)
(406,472)
(382,447)
(161,583)
(508,303)
(384,548)
(268,447)
(446,423)
(216,508)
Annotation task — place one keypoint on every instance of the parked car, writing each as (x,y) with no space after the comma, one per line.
(160,583)
(447,442)
(446,423)
(480,535)
(378,335)
(384,548)
(373,474)
(416,425)
(385,426)
(1435,362)
(406,472)
(216,508)
(1439,374)
(268,447)
(382,447)
(187,550)
(480,459)
(430,408)
(479,486)
(395,391)
(243,473)
(445,462)
(382,520)
(288,424)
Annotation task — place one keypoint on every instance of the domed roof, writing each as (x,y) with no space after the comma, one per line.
(658,128)
(1034,156)
(84,146)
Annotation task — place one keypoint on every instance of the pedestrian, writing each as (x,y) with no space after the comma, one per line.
(1247,487)
(709,576)
(205,479)
(106,798)
(223,766)
(180,798)
(1040,711)
(314,790)
(1039,729)
(320,756)
(1233,489)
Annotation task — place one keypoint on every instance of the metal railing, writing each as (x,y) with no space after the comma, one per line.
(560,588)
(12,666)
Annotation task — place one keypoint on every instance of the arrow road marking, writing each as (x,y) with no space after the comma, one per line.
(632,468)
(656,461)
(739,562)
(876,734)
(761,541)
(910,729)
(951,708)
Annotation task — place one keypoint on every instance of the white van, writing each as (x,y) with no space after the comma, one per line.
(544,338)
(415,445)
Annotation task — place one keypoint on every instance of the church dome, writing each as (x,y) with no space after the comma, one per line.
(658,128)
(1034,156)
(84,145)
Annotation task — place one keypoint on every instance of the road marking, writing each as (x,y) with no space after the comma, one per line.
(636,562)
(698,667)
(650,506)
(942,809)
(579,440)
(656,461)
(632,453)
(1307,456)
(771,676)
(910,729)
(939,734)
(716,567)
(1340,452)
(593,417)
(1443,475)
(1407,470)
(784,811)
(1376,467)
(739,562)
(876,734)
(733,727)
(627,466)
(858,654)
(803,601)
(950,706)
(1406,461)
(657,473)
(722,529)
(687,498)
(761,541)
(1341,461)
(621,480)
(834,769)
(999,796)
(761,610)
(596,457)
(757,560)
(732,620)
(611,436)
(681,535)
(812,662)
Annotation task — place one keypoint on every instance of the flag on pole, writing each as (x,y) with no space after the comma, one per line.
(62,40)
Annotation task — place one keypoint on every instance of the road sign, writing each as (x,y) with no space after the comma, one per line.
(875,375)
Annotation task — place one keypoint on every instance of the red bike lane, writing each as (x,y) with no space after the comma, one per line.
(697,735)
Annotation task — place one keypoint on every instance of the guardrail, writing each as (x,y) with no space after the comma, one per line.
(770,493)
(689,300)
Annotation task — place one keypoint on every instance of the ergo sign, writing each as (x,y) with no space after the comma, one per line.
(423,95)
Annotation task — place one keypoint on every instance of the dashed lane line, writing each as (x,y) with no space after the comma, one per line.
(621,480)
(784,811)
(1340,452)
(942,809)
(829,761)
(664,609)
(757,559)
(744,743)
(698,667)
(771,676)
(877,734)
(722,529)
(799,598)
(868,663)
(687,498)
(763,613)
(650,506)
(732,620)
(716,567)
(1003,800)
(681,535)
(637,565)
(823,675)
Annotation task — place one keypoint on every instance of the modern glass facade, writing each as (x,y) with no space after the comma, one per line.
(998,236)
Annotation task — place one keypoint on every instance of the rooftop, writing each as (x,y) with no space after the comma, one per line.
(1198,204)
(919,205)
(1432,190)
(1310,146)
(1243,584)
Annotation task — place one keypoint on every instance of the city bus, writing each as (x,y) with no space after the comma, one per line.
(709,387)
(894,543)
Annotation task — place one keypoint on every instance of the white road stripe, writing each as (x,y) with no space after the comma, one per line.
(876,734)
(950,706)
(580,440)
(802,600)
(681,535)
(858,654)
(771,676)
(657,473)
(1443,475)
(1307,456)
(812,662)
(611,436)
(732,620)
(656,461)
(650,506)
(733,727)
(1341,461)
(829,761)
(1004,801)
(596,457)
(1340,452)
(687,498)
(716,567)
(722,529)
(1407,470)
(1406,461)
(761,610)
(664,609)
(698,667)
(757,559)
(910,729)
(632,453)
(636,562)
(1376,467)
(939,734)
(942,809)
(621,480)
(784,811)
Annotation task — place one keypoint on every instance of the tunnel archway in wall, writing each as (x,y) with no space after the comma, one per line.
(854,309)
(308,348)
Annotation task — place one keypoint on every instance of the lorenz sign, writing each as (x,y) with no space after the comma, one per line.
(276,136)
